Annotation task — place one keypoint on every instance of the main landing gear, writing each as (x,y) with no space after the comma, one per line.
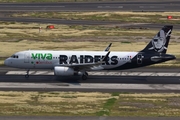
(84,76)
(27,74)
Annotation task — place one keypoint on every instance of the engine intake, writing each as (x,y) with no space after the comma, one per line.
(63,71)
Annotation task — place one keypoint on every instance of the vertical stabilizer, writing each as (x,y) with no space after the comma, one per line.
(160,42)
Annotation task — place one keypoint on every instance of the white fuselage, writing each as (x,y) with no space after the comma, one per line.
(41,59)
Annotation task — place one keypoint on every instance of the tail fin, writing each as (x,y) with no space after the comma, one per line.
(160,42)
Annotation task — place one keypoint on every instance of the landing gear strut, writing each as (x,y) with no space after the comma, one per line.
(86,73)
(27,74)
(84,76)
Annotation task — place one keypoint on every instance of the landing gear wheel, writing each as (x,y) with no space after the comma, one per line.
(26,76)
(84,77)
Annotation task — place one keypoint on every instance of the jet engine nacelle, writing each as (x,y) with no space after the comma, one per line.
(63,71)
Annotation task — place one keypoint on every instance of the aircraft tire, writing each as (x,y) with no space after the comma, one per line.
(84,77)
(26,76)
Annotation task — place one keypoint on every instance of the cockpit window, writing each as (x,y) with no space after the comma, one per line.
(14,56)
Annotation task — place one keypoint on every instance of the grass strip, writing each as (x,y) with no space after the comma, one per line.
(107,107)
(12,31)
(89,104)
(15,32)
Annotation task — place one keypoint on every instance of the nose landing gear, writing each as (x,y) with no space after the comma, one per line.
(27,74)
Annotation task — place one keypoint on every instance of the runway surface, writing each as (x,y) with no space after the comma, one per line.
(94,6)
(133,80)
(4,69)
(94,83)
(58,21)
(88,22)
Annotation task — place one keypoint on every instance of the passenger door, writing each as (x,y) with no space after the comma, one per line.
(26,57)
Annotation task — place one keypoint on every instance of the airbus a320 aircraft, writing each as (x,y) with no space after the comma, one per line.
(69,63)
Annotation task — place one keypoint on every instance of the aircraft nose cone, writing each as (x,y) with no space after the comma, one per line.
(6,62)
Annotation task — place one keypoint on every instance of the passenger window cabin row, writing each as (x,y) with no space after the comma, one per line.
(14,56)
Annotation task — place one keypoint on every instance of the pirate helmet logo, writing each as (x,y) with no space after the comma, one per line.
(159,42)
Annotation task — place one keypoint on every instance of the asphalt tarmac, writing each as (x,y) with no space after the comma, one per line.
(87,22)
(92,79)
(161,80)
(141,5)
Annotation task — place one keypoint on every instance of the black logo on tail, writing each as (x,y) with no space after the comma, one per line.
(160,42)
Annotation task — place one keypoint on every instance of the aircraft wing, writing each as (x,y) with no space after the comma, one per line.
(88,65)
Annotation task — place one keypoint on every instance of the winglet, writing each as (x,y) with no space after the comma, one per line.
(105,57)
(108,47)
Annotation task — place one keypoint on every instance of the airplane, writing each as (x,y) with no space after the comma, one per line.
(72,63)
